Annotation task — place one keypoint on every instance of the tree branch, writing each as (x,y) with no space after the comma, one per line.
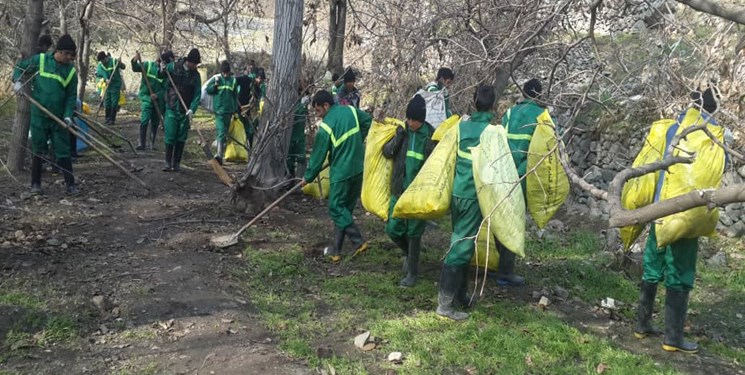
(728,12)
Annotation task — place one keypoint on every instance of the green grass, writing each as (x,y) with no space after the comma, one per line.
(18,299)
(308,310)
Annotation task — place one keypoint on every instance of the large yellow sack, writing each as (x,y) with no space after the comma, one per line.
(704,173)
(428,196)
(235,151)
(498,188)
(485,256)
(639,192)
(547,186)
(378,171)
(319,188)
(444,127)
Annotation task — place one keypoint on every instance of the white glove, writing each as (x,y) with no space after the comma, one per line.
(305,100)
(17,87)
(189,113)
(68,121)
(163,65)
(729,138)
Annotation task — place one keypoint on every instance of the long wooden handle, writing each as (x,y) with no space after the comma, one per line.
(269,207)
(150,89)
(183,103)
(83,138)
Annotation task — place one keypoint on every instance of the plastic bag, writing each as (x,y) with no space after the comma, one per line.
(485,257)
(428,196)
(704,173)
(435,102)
(235,150)
(639,192)
(499,193)
(547,187)
(444,127)
(319,188)
(122,99)
(376,178)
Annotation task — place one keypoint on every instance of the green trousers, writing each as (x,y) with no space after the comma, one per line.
(402,229)
(466,218)
(222,126)
(343,197)
(675,263)
(149,114)
(296,154)
(176,127)
(111,99)
(43,129)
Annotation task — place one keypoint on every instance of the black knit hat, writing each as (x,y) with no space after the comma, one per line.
(167,56)
(100,57)
(224,67)
(532,88)
(194,56)
(65,43)
(349,76)
(417,109)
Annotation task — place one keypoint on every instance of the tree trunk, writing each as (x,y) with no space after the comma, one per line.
(62,18)
(169,24)
(337,31)
(268,161)
(19,136)
(84,46)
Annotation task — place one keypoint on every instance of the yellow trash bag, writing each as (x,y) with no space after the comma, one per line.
(378,171)
(319,188)
(498,188)
(428,196)
(235,150)
(639,192)
(485,256)
(704,173)
(86,108)
(446,125)
(122,99)
(547,186)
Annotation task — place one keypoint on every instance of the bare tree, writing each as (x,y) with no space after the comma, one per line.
(19,135)
(337,32)
(84,45)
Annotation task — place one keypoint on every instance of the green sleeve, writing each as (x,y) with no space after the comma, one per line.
(71,96)
(365,121)
(101,72)
(212,86)
(29,65)
(197,95)
(321,147)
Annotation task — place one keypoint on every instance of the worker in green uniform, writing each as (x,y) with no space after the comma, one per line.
(348,93)
(188,85)
(674,263)
(110,70)
(464,209)
(409,149)
(225,90)
(258,93)
(341,137)
(296,154)
(444,78)
(520,121)
(55,88)
(150,116)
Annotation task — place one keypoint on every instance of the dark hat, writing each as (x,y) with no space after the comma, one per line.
(259,73)
(532,88)
(65,43)
(224,67)
(167,56)
(445,73)
(100,57)
(349,76)
(45,41)
(417,109)
(194,56)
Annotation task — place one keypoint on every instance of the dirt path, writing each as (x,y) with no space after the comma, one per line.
(130,273)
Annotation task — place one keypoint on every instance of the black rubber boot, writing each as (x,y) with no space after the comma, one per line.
(220,156)
(143,138)
(451,278)
(676,306)
(506,269)
(113,115)
(107,111)
(178,152)
(412,263)
(463,299)
(644,311)
(169,159)
(333,252)
(73,146)
(153,134)
(36,175)
(65,165)
(360,245)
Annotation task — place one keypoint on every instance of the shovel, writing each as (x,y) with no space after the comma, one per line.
(228,240)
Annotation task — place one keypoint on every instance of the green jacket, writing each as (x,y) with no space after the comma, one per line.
(470,136)
(225,91)
(409,150)
(106,70)
(341,135)
(520,121)
(189,85)
(158,84)
(298,125)
(55,87)
(435,87)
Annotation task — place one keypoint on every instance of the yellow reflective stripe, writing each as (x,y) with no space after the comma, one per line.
(346,135)
(54,76)
(509,112)
(415,155)
(327,128)
(115,63)
(153,75)
(464,154)
(519,137)
(336,142)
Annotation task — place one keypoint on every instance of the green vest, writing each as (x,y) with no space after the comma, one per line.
(225,91)
(55,87)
